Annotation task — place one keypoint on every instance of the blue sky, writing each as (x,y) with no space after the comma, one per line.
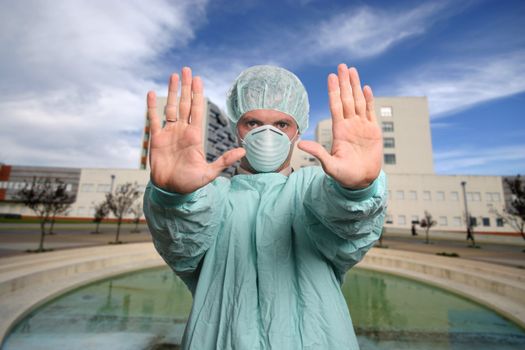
(74,81)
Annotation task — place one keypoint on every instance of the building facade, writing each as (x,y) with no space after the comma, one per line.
(413,186)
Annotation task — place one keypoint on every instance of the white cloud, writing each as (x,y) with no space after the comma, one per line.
(363,32)
(478,160)
(452,86)
(74,81)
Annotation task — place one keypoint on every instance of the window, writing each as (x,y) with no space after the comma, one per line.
(87,188)
(499,222)
(388,219)
(473,196)
(3,184)
(69,187)
(440,196)
(492,196)
(401,220)
(400,195)
(486,221)
(390,158)
(103,188)
(456,221)
(412,195)
(388,126)
(427,196)
(443,221)
(473,221)
(386,111)
(415,218)
(454,196)
(389,142)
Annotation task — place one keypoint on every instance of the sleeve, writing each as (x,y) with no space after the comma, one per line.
(344,224)
(183,227)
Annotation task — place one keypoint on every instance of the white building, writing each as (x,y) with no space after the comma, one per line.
(413,186)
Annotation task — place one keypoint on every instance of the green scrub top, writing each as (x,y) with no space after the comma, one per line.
(264,256)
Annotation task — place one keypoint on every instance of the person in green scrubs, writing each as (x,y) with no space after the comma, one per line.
(265,252)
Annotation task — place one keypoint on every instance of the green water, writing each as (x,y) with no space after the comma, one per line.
(148,309)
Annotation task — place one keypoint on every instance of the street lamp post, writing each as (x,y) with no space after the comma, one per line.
(112,182)
(467,214)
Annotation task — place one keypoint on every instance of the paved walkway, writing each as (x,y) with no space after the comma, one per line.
(15,239)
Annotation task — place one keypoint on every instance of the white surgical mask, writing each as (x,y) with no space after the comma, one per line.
(266,148)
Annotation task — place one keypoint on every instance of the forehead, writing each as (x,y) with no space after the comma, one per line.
(267,116)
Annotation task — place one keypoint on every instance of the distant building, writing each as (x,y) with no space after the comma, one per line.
(217,134)
(413,186)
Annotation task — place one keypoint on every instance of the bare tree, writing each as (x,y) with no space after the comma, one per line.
(101,212)
(46,198)
(514,215)
(120,202)
(60,202)
(137,212)
(427,223)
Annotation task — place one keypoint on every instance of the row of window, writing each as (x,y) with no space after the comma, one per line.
(387,126)
(389,142)
(389,158)
(439,196)
(18,185)
(455,221)
(385,111)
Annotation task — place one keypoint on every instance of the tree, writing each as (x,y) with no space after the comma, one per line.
(60,202)
(101,212)
(45,198)
(514,215)
(120,202)
(137,212)
(427,223)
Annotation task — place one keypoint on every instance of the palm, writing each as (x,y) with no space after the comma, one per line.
(355,158)
(177,159)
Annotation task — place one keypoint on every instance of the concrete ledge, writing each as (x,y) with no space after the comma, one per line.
(29,281)
(499,288)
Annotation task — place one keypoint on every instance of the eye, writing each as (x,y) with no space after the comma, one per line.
(252,124)
(282,125)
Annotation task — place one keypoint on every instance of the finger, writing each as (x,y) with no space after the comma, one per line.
(185,95)
(370,110)
(316,150)
(171,105)
(197,102)
(154,120)
(228,159)
(359,98)
(347,98)
(334,98)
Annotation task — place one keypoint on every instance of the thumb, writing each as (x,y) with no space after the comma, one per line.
(228,159)
(316,150)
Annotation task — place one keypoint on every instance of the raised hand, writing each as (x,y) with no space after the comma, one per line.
(357,147)
(177,159)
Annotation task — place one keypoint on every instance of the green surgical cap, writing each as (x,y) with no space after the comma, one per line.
(268,87)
